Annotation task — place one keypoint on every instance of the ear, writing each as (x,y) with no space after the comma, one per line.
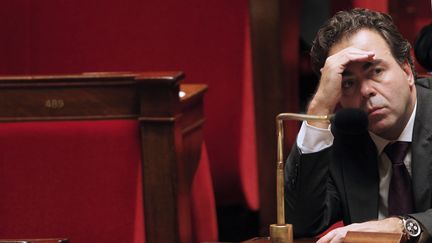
(406,67)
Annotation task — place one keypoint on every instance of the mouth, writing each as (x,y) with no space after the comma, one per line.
(374,111)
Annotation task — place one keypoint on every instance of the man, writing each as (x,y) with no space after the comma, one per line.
(363,62)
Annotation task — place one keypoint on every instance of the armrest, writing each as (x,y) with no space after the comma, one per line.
(35,241)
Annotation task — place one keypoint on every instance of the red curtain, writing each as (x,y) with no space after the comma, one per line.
(382,5)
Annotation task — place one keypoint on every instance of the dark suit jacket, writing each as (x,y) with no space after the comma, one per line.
(342,182)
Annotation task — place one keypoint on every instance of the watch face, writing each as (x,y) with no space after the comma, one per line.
(412,227)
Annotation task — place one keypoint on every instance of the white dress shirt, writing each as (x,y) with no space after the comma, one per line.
(312,139)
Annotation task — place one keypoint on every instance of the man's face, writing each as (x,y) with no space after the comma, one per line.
(383,88)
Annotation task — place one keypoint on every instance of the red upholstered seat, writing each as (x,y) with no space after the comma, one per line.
(51,240)
(79,180)
(82,180)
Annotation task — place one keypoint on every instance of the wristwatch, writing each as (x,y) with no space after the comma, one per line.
(411,228)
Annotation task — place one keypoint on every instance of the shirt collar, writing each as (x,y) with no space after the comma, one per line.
(405,136)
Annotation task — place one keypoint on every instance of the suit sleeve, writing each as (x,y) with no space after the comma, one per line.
(425,219)
(312,203)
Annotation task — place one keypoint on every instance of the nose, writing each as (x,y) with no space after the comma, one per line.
(366,89)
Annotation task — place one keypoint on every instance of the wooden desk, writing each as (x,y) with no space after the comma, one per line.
(267,240)
(351,237)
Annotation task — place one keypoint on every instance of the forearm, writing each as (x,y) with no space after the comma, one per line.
(322,104)
(388,225)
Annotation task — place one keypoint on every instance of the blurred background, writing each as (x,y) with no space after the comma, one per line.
(252,54)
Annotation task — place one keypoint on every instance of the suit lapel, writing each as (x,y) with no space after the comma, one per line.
(422,150)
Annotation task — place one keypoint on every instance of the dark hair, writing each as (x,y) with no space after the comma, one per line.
(423,47)
(346,23)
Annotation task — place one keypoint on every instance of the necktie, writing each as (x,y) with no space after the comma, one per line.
(400,192)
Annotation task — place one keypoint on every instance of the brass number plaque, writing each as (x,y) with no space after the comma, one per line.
(54,103)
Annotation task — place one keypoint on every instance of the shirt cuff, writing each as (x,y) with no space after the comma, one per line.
(313,139)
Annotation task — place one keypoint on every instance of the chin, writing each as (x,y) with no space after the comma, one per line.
(383,129)
(378,128)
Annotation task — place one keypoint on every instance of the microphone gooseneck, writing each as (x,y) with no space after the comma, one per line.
(347,121)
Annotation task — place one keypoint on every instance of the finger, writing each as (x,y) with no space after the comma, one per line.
(337,239)
(357,51)
(327,238)
(356,57)
(340,234)
(352,54)
(339,61)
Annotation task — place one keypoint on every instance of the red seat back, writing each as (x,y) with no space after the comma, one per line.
(80,180)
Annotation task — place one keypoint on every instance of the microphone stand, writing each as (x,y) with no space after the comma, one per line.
(281,232)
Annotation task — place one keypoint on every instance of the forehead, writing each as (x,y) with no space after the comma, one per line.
(364,39)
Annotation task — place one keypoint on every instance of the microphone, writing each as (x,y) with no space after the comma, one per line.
(349,121)
(346,121)
(351,139)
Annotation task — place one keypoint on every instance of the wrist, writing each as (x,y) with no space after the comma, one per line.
(323,103)
(319,108)
(411,228)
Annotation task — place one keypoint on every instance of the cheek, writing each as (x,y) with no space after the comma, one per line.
(395,94)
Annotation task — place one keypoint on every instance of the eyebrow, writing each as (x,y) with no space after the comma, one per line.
(375,62)
(365,66)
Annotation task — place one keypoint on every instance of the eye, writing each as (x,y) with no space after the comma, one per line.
(377,71)
(346,84)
